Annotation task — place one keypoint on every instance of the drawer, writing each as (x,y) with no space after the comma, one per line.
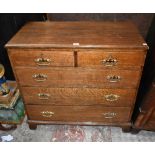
(77,77)
(79,96)
(42,58)
(78,113)
(99,58)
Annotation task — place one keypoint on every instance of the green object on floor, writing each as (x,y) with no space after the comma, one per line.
(13,116)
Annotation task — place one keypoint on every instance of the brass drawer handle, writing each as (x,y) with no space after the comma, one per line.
(43,96)
(109,115)
(113,78)
(42,61)
(47,113)
(111,97)
(40,77)
(109,62)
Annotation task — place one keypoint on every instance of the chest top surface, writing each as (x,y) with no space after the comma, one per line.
(77,34)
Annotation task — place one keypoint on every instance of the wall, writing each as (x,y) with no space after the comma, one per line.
(9,25)
(142,21)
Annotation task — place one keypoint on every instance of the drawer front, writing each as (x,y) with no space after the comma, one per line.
(79,96)
(42,58)
(110,59)
(77,77)
(78,113)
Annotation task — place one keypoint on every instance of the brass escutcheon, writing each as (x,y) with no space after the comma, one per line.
(47,113)
(43,96)
(42,61)
(111,97)
(109,115)
(113,78)
(109,62)
(39,77)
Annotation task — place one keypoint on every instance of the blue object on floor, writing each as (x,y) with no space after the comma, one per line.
(13,116)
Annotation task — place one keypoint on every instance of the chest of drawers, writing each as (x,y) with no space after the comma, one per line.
(78,72)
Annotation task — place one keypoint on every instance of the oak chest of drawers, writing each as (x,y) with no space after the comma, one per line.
(78,72)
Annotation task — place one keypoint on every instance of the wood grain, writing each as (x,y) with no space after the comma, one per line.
(117,124)
(28,57)
(87,34)
(78,77)
(79,113)
(94,58)
(78,96)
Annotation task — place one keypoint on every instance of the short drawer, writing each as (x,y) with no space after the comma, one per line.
(77,77)
(42,58)
(101,58)
(78,113)
(79,96)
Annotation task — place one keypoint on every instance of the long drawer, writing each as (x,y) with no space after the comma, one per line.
(79,96)
(77,77)
(78,113)
(42,58)
(99,58)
